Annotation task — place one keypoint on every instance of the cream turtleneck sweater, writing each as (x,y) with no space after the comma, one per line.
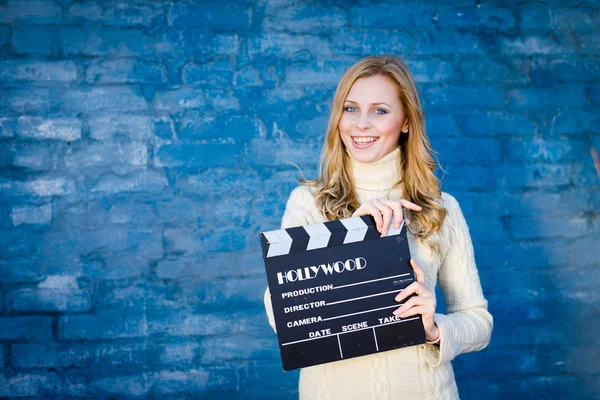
(417,372)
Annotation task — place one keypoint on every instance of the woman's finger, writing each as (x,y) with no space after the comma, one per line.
(369,209)
(412,206)
(397,208)
(413,311)
(415,287)
(387,214)
(418,271)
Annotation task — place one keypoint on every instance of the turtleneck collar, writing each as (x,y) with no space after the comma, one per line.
(379,175)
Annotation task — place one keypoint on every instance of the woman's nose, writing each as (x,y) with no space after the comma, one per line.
(363,122)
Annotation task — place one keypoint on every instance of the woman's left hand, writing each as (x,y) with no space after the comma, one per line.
(424,303)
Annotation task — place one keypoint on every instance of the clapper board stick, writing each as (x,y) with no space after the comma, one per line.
(332,288)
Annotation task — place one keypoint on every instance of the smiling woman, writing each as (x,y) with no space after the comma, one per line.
(372,119)
(377,160)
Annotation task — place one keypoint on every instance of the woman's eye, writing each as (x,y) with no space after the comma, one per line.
(382,111)
(349,109)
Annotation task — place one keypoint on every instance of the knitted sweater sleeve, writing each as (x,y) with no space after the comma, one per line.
(296,214)
(467,324)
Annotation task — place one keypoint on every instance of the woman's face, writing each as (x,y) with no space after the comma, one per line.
(372,118)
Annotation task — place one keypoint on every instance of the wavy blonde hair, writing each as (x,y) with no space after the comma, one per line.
(335,196)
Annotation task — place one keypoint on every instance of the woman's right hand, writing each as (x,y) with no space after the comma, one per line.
(383,210)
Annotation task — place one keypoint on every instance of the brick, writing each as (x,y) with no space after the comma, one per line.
(240,292)
(567,71)
(139,298)
(512,177)
(95,159)
(145,181)
(192,157)
(31,157)
(24,300)
(37,71)
(194,98)
(4,34)
(31,215)
(391,16)
(65,129)
(216,351)
(105,42)
(186,324)
(496,123)
(247,77)
(46,385)
(133,214)
(178,209)
(212,15)
(432,71)
(325,73)
(32,100)
(557,97)
(535,45)
(32,40)
(468,151)
(359,42)
(178,353)
(67,355)
(471,177)
(114,325)
(539,228)
(303,18)
(543,203)
(584,252)
(278,152)
(124,386)
(438,99)
(109,127)
(221,239)
(484,17)
(115,14)
(7,127)
(121,99)
(285,44)
(40,187)
(34,12)
(490,71)
(124,71)
(198,125)
(197,43)
(588,45)
(445,43)
(25,328)
(534,16)
(547,151)
(194,381)
(215,73)
(21,270)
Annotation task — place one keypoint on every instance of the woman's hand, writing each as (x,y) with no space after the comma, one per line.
(424,303)
(383,210)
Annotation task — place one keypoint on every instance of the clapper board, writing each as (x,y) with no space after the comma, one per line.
(332,288)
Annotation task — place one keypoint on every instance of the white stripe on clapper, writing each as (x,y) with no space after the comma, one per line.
(357,229)
(280,242)
(319,236)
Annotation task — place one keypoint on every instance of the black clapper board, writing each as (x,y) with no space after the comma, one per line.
(332,288)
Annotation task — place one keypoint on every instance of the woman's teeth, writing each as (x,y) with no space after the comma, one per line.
(363,139)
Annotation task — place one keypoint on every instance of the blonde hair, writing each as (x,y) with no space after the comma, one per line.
(335,196)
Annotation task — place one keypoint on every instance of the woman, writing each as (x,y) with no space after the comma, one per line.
(377,160)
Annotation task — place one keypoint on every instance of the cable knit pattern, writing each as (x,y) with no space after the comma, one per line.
(416,372)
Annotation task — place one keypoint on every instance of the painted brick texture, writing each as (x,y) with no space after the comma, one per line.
(145,143)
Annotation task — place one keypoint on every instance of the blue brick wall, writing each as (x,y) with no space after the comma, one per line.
(145,144)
